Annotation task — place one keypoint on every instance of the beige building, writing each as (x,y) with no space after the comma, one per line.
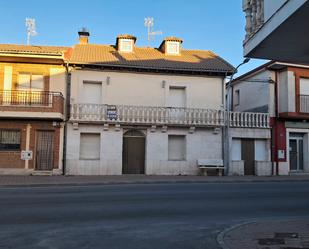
(141,110)
(32,109)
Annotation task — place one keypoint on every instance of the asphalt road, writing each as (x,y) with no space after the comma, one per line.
(140,215)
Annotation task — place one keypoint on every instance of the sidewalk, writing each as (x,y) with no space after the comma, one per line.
(288,234)
(18,180)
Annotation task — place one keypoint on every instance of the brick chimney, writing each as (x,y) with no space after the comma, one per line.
(83,36)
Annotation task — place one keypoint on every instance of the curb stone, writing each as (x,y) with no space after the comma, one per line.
(221,235)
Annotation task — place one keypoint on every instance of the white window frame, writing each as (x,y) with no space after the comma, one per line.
(168,47)
(125,48)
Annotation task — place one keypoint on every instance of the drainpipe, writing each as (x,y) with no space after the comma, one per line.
(275,123)
(224,121)
(67,115)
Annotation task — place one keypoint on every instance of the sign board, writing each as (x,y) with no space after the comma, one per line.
(281,154)
(26,155)
(111,112)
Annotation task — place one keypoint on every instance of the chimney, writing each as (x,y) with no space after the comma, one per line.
(83,36)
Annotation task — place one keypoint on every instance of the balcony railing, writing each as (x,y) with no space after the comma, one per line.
(40,101)
(304,103)
(123,114)
(249,119)
(146,115)
(254,11)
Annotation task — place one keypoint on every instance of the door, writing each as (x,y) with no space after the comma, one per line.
(247,155)
(44,150)
(296,152)
(177,102)
(133,153)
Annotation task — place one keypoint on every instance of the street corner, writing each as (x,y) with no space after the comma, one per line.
(274,234)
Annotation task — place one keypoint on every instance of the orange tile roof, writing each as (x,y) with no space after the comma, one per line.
(32,49)
(150,58)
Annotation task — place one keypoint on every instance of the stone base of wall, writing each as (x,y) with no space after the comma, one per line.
(263,168)
(284,168)
(236,168)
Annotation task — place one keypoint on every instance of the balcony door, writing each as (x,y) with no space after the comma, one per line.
(177,103)
(29,90)
(296,150)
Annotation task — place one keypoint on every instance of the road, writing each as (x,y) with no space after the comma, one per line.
(146,216)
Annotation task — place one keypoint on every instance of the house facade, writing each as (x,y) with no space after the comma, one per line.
(32,109)
(280,89)
(138,110)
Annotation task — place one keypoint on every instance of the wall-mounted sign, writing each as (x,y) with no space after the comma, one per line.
(111,112)
(26,155)
(281,154)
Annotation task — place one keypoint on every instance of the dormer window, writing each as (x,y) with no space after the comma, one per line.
(126,45)
(172,47)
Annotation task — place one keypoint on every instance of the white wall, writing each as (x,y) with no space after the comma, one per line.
(149,89)
(254,94)
(110,162)
(202,144)
(286,89)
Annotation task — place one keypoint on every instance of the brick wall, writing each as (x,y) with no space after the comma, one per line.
(11,159)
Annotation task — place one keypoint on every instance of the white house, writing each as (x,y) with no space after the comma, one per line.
(141,110)
(282,90)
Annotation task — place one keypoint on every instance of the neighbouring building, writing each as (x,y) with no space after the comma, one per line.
(282,90)
(32,109)
(142,110)
(275,30)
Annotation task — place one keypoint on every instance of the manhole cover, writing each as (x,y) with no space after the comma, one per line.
(271,241)
(286,235)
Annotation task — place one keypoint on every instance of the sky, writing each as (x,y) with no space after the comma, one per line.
(202,24)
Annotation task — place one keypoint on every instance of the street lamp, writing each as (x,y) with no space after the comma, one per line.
(228,107)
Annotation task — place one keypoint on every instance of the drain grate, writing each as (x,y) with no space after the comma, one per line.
(286,235)
(271,241)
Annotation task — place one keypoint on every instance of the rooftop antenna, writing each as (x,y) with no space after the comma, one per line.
(150,34)
(30,24)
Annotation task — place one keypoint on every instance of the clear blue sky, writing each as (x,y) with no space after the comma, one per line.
(202,24)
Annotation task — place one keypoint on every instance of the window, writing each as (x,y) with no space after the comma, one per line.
(89,146)
(173,47)
(237,98)
(126,45)
(9,140)
(27,81)
(176,147)
(92,92)
(177,96)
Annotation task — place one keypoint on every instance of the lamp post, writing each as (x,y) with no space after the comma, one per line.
(228,107)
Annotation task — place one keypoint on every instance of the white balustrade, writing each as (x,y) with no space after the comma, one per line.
(254,14)
(249,120)
(147,115)
(165,115)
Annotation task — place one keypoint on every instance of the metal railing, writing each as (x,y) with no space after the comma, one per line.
(304,103)
(25,98)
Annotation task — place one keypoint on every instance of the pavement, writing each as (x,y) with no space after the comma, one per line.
(275,234)
(26,180)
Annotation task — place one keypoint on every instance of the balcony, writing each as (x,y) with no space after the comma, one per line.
(275,31)
(249,120)
(31,104)
(143,115)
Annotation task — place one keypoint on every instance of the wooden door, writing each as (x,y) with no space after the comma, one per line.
(247,155)
(133,153)
(44,150)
